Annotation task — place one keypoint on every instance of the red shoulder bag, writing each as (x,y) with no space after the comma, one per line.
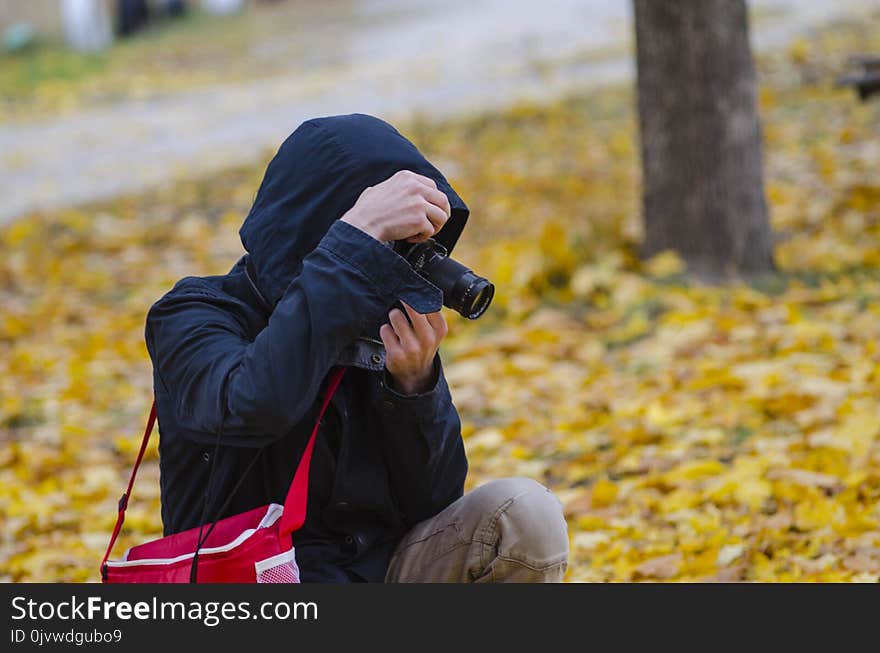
(251,547)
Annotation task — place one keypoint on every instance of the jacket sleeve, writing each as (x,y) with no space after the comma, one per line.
(203,358)
(423,447)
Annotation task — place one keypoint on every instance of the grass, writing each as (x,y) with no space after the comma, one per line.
(195,50)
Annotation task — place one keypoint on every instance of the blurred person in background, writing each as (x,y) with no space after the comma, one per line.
(131,16)
(134,15)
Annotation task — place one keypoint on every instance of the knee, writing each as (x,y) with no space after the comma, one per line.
(527,524)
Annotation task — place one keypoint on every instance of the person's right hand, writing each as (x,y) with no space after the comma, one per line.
(406,206)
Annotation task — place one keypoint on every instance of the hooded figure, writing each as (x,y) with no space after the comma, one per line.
(245,357)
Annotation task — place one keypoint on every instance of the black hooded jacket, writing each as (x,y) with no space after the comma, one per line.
(246,356)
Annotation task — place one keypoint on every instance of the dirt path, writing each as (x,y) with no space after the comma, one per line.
(400,58)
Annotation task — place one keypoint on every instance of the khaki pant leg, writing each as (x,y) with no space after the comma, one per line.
(509,530)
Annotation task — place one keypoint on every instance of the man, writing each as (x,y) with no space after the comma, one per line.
(245,357)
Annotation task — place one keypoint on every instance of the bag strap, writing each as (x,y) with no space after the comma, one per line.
(294,499)
(294,515)
(297,494)
(123,500)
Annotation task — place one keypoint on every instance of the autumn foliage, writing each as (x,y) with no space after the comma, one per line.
(692,432)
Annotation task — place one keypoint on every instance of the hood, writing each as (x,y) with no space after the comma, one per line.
(315,177)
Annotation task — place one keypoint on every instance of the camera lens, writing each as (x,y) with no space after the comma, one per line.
(463,291)
(476,297)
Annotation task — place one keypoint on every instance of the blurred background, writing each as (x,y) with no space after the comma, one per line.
(678,204)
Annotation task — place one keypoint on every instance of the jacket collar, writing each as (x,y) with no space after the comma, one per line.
(251,274)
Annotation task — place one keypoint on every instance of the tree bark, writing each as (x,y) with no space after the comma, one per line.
(703,186)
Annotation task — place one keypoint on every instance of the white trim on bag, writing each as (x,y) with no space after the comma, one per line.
(273,513)
(275,561)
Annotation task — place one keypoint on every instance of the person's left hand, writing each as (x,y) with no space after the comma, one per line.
(410,348)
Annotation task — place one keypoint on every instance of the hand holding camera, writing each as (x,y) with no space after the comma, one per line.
(408,209)
(406,206)
(411,340)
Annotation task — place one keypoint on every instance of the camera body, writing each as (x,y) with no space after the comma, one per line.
(463,291)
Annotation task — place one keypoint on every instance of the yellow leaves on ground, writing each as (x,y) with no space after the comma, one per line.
(603,493)
(75,380)
(691,432)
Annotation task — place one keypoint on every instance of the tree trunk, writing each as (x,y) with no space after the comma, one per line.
(701,137)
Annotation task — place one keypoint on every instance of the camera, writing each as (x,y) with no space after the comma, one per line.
(463,291)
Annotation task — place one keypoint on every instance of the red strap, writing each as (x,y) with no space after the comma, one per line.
(123,500)
(294,515)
